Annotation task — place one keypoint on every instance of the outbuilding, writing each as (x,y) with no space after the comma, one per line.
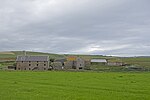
(74,62)
(100,61)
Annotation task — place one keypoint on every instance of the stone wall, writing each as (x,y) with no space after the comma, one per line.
(32,65)
(57,65)
(68,65)
(115,63)
(87,64)
(80,63)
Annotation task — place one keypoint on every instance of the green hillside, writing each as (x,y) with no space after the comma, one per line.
(37,53)
(138,61)
(14,54)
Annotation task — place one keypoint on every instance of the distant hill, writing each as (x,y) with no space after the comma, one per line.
(137,61)
(11,55)
(14,54)
(37,53)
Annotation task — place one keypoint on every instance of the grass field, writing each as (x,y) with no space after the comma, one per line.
(74,86)
(138,61)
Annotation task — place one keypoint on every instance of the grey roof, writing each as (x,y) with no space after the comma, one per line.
(32,58)
(60,60)
(99,60)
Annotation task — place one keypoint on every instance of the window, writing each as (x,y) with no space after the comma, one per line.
(37,61)
(29,61)
(18,68)
(44,64)
(44,68)
(25,69)
(80,68)
(37,64)
(29,64)
(29,68)
(22,61)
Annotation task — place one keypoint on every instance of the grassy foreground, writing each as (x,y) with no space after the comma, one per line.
(74,86)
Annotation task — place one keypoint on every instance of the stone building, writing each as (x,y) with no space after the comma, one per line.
(57,65)
(74,63)
(87,63)
(61,60)
(32,63)
(79,63)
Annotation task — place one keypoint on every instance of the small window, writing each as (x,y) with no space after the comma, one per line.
(18,68)
(29,61)
(80,65)
(80,68)
(44,64)
(25,69)
(29,68)
(29,64)
(22,61)
(37,61)
(37,64)
(44,68)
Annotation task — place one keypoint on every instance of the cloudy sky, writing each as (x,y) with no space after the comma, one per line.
(105,27)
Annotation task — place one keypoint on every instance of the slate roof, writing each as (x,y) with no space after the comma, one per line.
(60,60)
(32,58)
(99,60)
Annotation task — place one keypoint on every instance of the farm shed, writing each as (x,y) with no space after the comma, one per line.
(98,61)
(32,62)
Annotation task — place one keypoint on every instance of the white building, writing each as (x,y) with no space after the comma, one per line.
(98,61)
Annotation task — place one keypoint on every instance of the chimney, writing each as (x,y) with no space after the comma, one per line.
(24,53)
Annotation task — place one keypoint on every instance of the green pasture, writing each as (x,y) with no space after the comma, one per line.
(138,61)
(53,85)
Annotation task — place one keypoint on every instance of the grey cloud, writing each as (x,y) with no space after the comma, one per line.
(111,27)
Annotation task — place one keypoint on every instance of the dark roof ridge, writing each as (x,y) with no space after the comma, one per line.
(32,58)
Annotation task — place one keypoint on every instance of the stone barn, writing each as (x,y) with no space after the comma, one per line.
(79,63)
(87,63)
(57,66)
(32,63)
(74,63)
(61,60)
